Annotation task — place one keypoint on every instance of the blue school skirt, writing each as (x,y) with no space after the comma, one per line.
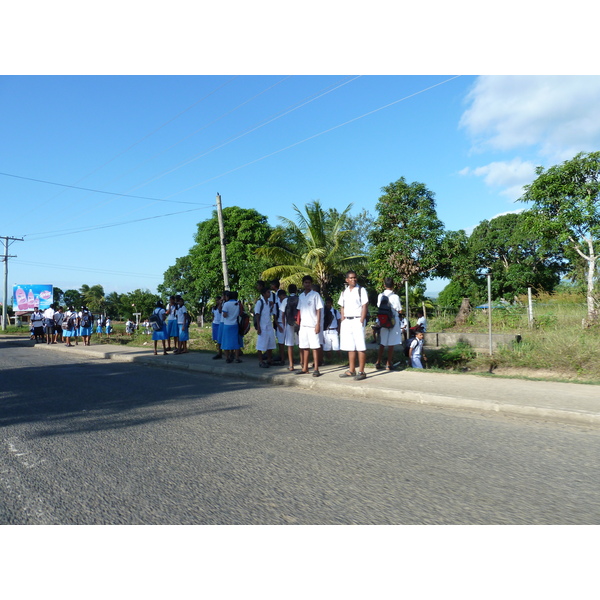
(215,332)
(230,337)
(160,335)
(85,331)
(172,328)
(184,336)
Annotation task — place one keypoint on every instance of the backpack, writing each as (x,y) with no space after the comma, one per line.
(69,324)
(292,313)
(385,314)
(86,319)
(156,321)
(243,321)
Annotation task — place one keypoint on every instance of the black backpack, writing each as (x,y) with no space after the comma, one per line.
(291,309)
(156,321)
(86,319)
(243,321)
(385,314)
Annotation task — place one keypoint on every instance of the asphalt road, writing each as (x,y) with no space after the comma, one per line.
(88,441)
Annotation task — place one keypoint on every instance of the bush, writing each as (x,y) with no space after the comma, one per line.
(457,356)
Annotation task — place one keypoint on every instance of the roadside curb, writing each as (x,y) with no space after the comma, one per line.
(347,388)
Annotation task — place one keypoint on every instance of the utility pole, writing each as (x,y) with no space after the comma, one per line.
(5,259)
(223,242)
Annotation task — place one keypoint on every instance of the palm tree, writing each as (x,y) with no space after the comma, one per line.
(93,297)
(321,244)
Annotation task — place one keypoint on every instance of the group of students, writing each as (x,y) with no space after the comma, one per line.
(290,318)
(171,326)
(56,325)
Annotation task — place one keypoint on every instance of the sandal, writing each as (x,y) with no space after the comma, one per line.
(302,373)
(316,373)
(378,366)
(291,369)
(348,374)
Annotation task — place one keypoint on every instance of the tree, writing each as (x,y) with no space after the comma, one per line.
(93,297)
(179,279)
(57,295)
(320,243)
(566,208)
(408,240)
(138,301)
(245,230)
(73,298)
(515,256)
(112,305)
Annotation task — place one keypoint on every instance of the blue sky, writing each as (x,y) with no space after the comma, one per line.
(262,140)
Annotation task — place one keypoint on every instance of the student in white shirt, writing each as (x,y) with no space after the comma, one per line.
(354,303)
(310,306)
(265,342)
(389,337)
(331,327)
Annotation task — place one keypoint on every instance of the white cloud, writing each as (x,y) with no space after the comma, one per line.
(509,175)
(558,116)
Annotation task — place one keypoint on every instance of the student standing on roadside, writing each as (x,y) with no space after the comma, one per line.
(331,326)
(49,324)
(354,303)
(85,323)
(289,308)
(183,322)
(310,306)
(280,331)
(172,326)
(389,337)
(216,325)
(230,336)
(58,321)
(415,351)
(162,334)
(37,322)
(265,342)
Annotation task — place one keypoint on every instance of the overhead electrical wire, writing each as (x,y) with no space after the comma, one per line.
(315,136)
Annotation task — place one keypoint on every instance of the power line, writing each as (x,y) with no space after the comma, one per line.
(96,191)
(315,135)
(72,268)
(43,236)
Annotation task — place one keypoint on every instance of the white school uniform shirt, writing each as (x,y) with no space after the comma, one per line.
(181,312)
(262,307)
(171,312)
(217,317)
(336,318)
(232,308)
(308,305)
(353,300)
(417,348)
(422,321)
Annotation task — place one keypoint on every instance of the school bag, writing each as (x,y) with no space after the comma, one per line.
(69,324)
(156,321)
(86,319)
(385,314)
(292,314)
(243,321)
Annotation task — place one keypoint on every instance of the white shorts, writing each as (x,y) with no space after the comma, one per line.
(390,337)
(266,340)
(280,334)
(352,335)
(331,340)
(307,338)
(291,337)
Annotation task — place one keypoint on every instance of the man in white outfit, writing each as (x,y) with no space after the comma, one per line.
(354,303)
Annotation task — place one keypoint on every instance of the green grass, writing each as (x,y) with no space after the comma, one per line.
(556,343)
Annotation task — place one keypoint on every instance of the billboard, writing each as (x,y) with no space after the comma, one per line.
(28,296)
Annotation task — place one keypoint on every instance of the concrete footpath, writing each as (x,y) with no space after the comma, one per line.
(567,402)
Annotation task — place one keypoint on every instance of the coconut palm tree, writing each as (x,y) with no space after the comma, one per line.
(320,243)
